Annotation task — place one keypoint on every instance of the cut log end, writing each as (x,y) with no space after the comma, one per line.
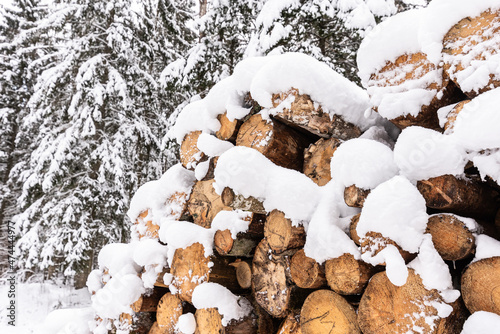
(190,155)
(346,275)
(306,272)
(481,286)
(204,203)
(317,158)
(228,129)
(281,234)
(168,312)
(208,321)
(355,196)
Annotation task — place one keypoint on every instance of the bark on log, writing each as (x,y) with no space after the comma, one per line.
(243,273)
(291,324)
(204,203)
(352,229)
(159,279)
(317,159)
(325,311)
(450,236)
(481,285)
(279,143)
(150,302)
(245,242)
(190,268)
(208,321)
(281,234)
(269,281)
(189,153)
(355,197)
(168,313)
(228,129)
(305,115)
(306,273)
(375,242)
(239,202)
(211,169)
(465,197)
(414,67)
(386,308)
(472,40)
(452,116)
(346,275)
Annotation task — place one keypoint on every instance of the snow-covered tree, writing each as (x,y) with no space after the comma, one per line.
(96,120)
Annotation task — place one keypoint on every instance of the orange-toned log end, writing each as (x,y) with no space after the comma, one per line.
(291,324)
(324,311)
(168,313)
(190,155)
(223,242)
(481,285)
(355,196)
(452,116)
(145,227)
(451,237)
(281,234)
(228,129)
(352,229)
(243,273)
(306,272)
(346,275)
(204,203)
(317,158)
(208,321)
(375,242)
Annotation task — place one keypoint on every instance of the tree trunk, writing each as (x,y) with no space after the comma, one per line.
(355,197)
(348,276)
(317,159)
(279,143)
(190,155)
(281,234)
(239,202)
(324,311)
(451,237)
(306,273)
(481,285)
(204,203)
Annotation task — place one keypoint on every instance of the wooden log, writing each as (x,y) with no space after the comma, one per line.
(279,143)
(481,285)
(291,324)
(239,202)
(412,67)
(190,155)
(190,268)
(452,116)
(228,129)
(466,197)
(208,321)
(245,242)
(352,229)
(305,115)
(159,279)
(155,329)
(145,227)
(243,273)
(375,242)
(472,40)
(269,281)
(204,203)
(355,196)
(450,236)
(168,312)
(211,169)
(317,159)
(324,311)
(281,234)
(346,275)
(386,308)
(306,273)
(150,301)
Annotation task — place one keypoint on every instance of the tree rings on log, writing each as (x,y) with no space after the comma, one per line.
(291,324)
(168,312)
(190,155)
(346,275)
(243,273)
(281,234)
(304,114)
(239,202)
(450,236)
(481,285)
(306,273)
(228,129)
(324,311)
(208,321)
(468,45)
(355,197)
(277,142)
(204,203)
(375,242)
(317,159)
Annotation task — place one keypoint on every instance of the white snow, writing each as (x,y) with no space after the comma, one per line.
(488,164)
(208,295)
(118,258)
(151,255)
(481,322)
(486,247)
(235,221)
(186,323)
(212,146)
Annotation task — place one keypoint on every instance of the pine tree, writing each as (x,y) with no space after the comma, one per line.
(96,119)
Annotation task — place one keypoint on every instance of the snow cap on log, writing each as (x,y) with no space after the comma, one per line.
(481,322)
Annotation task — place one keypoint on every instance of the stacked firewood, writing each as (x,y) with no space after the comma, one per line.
(267,266)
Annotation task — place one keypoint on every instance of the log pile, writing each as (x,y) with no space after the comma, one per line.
(267,266)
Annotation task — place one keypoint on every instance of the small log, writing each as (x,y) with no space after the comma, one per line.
(245,242)
(269,281)
(481,285)
(291,324)
(375,242)
(355,197)
(352,229)
(150,301)
(279,143)
(466,197)
(306,272)
(155,329)
(168,312)
(317,159)
(228,129)
(239,202)
(450,236)
(190,268)
(305,115)
(471,41)
(208,321)
(324,311)
(386,308)
(190,155)
(281,234)
(243,273)
(452,116)
(204,203)
(346,275)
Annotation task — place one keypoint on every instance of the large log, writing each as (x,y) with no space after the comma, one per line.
(317,159)
(469,43)
(450,236)
(190,268)
(389,309)
(305,115)
(466,197)
(346,275)
(208,321)
(279,143)
(291,324)
(239,202)
(168,313)
(245,242)
(204,203)
(306,273)
(355,196)
(190,155)
(325,311)
(481,285)
(281,234)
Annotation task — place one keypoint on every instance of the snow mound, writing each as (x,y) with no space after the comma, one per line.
(481,322)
